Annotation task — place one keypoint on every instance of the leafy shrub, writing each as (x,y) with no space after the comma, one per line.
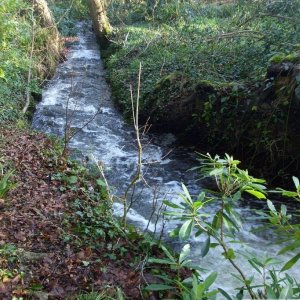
(220,230)
(5,183)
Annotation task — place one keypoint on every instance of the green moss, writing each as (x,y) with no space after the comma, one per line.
(209,83)
(278,58)
(104,26)
(293,57)
(166,81)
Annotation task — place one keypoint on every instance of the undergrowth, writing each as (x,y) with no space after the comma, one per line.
(206,67)
(69,210)
(232,43)
(67,13)
(27,47)
(29,53)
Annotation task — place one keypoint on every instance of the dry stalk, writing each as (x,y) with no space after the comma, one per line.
(24,110)
(101,170)
(154,204)
(138,175)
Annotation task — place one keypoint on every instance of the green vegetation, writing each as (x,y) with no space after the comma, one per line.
(208,66)
(109,294)
(211,62)
(222,44)
(25,48)
(5,184)
(221,228)
(29,52)
(66,13)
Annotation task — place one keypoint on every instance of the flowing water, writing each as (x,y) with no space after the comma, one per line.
(79,90)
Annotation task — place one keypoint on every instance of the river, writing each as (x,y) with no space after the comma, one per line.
(79,90)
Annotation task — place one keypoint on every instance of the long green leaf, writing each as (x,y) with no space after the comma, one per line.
(252,263)
(209,280)
(167,252)
(271,206)
(216,223)
(272,261)
(286,293)
(296,181)
(257,194)
(161,261)
(159,287)
(201,197)
(186,230)
(210,294)
(184,253)
(270,293)
(290,247)
(289,194)
(205,247)
(237,196)
(291,262)
(231,221)
(171,204)
(225,294)
(187,193)
(216,172)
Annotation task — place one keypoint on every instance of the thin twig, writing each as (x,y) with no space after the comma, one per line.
(101,170)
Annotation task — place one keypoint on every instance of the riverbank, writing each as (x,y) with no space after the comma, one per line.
(59,239)
(222,76)
(29,52)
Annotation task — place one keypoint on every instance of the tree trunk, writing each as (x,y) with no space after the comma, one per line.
(42,11)
(46,21)
(100,21)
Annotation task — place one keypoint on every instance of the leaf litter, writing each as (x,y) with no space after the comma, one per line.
(36,262)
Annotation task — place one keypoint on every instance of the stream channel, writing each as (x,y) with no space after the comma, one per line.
(79,85)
